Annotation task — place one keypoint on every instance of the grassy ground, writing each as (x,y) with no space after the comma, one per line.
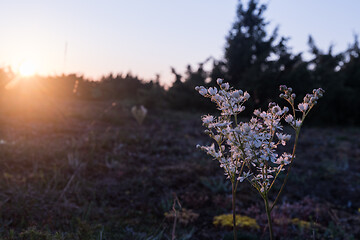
(87,170)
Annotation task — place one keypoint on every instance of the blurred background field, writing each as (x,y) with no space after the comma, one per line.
(87,173)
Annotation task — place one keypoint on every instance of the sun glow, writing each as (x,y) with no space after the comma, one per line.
(27,69)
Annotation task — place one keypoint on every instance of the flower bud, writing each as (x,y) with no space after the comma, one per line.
(271,104)
(246,95)
(212,91)
(202,90)
(225,86)
(320,92)
(283,87)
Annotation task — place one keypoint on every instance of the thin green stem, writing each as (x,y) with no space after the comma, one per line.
(277,174)
(233,209)
(241,171)
(289,170)
(268,213)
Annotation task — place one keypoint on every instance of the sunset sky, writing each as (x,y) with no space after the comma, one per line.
(148,37)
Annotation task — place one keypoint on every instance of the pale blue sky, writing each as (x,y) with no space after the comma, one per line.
(148,37)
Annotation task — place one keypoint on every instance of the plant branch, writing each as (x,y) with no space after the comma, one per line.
(289,170)
(233,209)
(268,213)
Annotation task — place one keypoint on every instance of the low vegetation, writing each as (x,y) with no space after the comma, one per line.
(88,170)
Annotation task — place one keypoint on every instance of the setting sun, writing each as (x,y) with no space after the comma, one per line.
(27,69)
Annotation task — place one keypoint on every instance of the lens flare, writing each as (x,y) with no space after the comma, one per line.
(27,69)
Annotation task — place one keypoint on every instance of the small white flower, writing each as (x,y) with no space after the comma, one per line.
(246,127)
(246,95)
(257,112)
(221,124)
(219,81)
(207,119)
(298,123)
(212,91)
(284,159)
(283,138)
(225,86)
(303,107)
(236,94)
(289,118)
(202,90)
(276,110)
(257,143)
(244,176)
(217,98)
(263,115)
(241,109)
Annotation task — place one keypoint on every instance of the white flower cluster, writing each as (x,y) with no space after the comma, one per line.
(249,150)
(229,101)
(308,103)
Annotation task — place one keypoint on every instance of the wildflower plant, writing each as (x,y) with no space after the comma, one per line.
(249,150)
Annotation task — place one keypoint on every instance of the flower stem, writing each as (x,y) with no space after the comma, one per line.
(288,173)
(233,209)
(268,213)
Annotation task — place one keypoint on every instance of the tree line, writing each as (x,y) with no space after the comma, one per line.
(259,62)
(254,60)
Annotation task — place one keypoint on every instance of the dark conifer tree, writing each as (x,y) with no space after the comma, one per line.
(350,71)
(248,46)
(250,54)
